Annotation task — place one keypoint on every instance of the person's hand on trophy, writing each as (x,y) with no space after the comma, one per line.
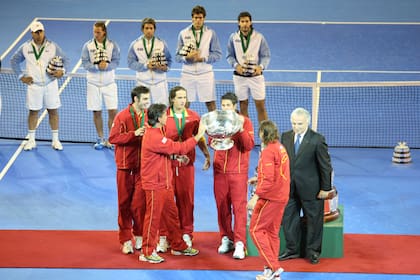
(151,65)
(101,59)
(103,65)
(195,56)
(258,70)
(240,69)
(201,130)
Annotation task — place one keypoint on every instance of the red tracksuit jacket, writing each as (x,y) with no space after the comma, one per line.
(127,145)
(156,170)
(273,173)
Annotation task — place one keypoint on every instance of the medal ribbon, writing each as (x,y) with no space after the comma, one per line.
(179,127)
(149,53)
(103,43)
(38,55)
(135,118)
(197,42)
(245,41)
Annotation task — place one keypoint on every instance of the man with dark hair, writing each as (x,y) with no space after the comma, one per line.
(310,173)
(149,56)
(126,134)
(156,178)
(248,54)
(230,168)
(197,49)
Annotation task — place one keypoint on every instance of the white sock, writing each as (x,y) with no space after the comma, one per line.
(54,135)
(31,134)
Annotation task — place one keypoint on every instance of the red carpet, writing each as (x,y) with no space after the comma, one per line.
(381,254)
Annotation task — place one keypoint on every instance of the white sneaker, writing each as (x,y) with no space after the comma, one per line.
(266,273)
(127,247)
(270,275)
(30,144)
(56,145)
(239,252)
(163,245)
(187,239)
(225,246)
(153,258)
(138,242)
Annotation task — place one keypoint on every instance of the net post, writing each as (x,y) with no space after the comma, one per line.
(315,101)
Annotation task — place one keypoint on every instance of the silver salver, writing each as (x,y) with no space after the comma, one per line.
(221,126)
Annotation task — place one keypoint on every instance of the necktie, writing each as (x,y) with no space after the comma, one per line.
(297,143)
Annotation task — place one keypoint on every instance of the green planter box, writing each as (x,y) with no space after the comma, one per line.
(332,240)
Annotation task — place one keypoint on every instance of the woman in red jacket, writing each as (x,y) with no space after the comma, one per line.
(156,179)
(270,199)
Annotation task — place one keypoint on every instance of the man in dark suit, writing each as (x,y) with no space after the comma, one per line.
(310,173)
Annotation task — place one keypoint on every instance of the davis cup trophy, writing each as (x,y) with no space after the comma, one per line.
(250,64)
(56,63)
(221,125)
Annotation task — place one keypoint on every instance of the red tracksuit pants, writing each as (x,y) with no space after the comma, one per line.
(161,208)
(265,228)
(131,204)
(230,192)
(183,182)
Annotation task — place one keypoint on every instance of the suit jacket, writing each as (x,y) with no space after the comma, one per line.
(310,168)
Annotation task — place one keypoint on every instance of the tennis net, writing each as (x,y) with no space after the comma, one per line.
(356,114)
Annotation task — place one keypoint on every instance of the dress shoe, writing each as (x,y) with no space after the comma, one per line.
(314,259)
(287,255)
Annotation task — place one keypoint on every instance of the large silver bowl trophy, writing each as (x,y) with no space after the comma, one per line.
(221,126)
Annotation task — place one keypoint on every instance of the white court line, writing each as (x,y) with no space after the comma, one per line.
(40,119)
(254,21)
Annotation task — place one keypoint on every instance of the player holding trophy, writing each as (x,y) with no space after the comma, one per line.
(100,58)
(45,62)
(149,56)
(198,48)
(248,54)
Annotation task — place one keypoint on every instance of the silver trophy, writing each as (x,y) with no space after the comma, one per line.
(100,55)
(250,65)
(221,126)
(159,58)
(56,63)
(186,49)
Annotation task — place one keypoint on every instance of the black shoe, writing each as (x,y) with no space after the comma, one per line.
(314,259)
(287,255)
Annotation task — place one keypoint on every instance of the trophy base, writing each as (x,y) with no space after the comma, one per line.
(332,216)
(221,144)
